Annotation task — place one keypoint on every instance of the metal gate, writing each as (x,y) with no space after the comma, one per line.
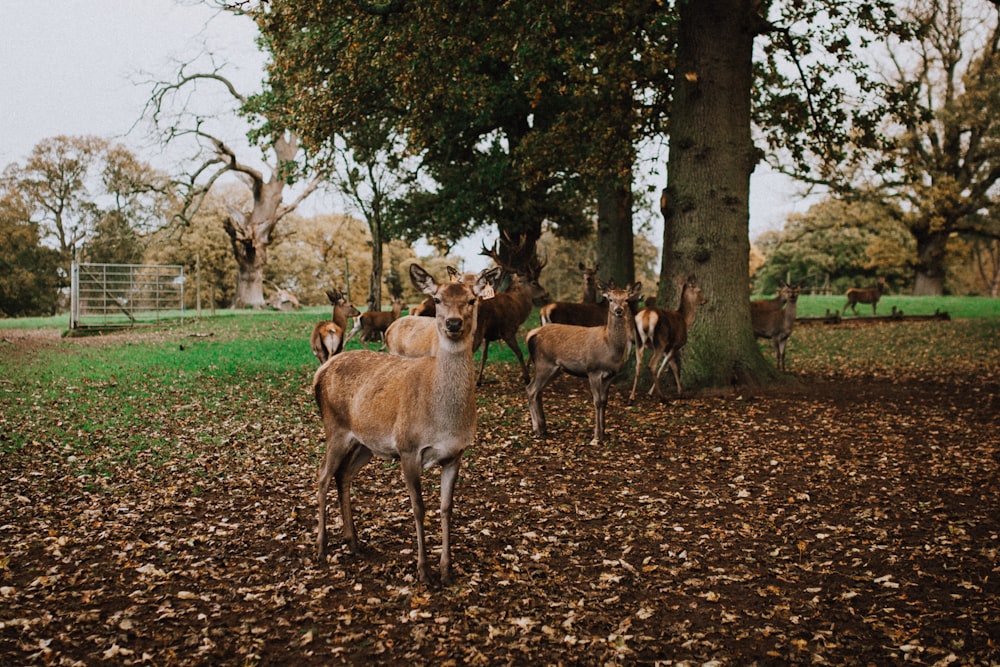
(125,295)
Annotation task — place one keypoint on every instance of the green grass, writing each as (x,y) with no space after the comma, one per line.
(958,307)
(92,394)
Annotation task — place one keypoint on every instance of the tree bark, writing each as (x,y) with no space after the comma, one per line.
(705,205)
(615,241)
(928,279)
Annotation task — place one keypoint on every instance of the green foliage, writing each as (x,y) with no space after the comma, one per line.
(516,110)
(834,246)
(29,271)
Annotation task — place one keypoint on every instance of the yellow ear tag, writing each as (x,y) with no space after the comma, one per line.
(487,292)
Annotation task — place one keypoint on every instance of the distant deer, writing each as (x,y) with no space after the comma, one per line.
(586,313)
(373,323)
(666,331)
(776,323)
(420,411)
(501,316)
(856,295)
(597,353)
(327,337)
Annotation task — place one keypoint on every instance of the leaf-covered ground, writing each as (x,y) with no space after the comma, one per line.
(852,517)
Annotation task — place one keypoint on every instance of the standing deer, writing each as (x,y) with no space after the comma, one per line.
(501,316)
(373,323)
(420,411)
(414,336)
(776,323)
(327,337)
(666,331)
(586,313)
(597,353)
(856,295)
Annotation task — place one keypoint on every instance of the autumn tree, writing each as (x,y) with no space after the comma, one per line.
(92,199)
(797,99)
(29,271)
(836,245)
(520,113)
(251,230)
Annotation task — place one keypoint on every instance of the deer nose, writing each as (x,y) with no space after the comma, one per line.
(453,324)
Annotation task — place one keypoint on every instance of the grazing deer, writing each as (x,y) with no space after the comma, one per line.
(327,337)
(372,324)
(420,411)
(501,316)
(776,323)
(666,331)
(597,353)
(856,295)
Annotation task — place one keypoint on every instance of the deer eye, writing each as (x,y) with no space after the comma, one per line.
(472,302)
(437,300)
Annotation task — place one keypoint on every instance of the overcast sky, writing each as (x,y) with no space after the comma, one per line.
(81,67)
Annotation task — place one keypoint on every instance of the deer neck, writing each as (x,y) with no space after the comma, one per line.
(790,312)
(452,379)
(688,307)
(340,317)
(617,332)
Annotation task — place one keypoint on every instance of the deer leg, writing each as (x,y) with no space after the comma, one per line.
(543,375)
(599,385)
(410,465)
(344,476)
(449,475)
(333,460)
(640,350)
(512,343)
(675,366)
(658,358)
(482,361)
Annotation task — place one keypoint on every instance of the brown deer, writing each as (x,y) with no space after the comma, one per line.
(666,331)
(776,323)
(327,337)
(420,411)
(501,316)
(856,295)
(426,307)
(597,353)
(587,312)
(414,336)
(373,323)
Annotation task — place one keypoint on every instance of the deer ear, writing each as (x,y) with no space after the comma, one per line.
(485,279)
(634,290)
(452,272)
(422,280)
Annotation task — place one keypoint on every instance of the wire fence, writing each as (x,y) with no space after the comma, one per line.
(124,295)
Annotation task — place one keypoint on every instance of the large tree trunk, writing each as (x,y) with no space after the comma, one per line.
(250,250)
(929,274)
(706,203)
(615,241)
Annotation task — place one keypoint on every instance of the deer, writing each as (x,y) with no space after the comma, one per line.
(666,331)
(327,337)
(415,336)
(502,315)
(776,323)
(585,313)
(373,323)
(419,411)
(426,307)
(856,295)
(597,353)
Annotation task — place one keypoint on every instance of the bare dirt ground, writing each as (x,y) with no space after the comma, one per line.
(847,518)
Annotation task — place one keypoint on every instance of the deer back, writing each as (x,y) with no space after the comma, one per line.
(412,336)
(506,311)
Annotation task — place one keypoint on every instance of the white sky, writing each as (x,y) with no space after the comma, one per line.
(77,67)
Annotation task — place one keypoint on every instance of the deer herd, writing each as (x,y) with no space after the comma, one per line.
(416,404)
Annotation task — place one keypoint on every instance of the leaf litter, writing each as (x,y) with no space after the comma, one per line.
(847,518)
